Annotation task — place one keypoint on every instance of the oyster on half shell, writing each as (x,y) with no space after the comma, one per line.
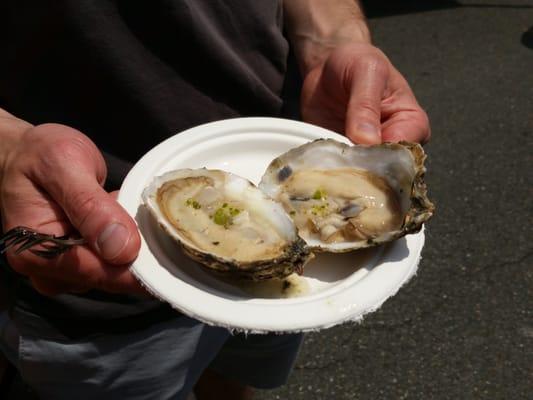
(344,197)
(226,223)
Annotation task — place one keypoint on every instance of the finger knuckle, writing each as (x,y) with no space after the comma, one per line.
(46,288)
(64,151)
(18,263)
(86,204)
(372,62)
(68,148)
(424,126)
(425,118)
(366,107)
(113,282)
(102,282)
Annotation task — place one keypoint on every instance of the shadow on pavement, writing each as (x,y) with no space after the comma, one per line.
(527,38)
(383,8)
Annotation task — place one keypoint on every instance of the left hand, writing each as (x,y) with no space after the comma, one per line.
(358,92)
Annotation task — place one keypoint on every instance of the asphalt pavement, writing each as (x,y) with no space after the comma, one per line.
(463,327)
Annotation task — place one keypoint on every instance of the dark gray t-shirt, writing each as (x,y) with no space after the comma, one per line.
(129,74)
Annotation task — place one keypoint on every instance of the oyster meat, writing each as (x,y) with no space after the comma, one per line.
(226,223)
(344,197)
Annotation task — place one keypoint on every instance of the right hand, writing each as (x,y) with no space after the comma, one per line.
(52,183)
(357,91)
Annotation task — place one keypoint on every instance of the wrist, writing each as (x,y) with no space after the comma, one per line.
(316,27)
(313,48)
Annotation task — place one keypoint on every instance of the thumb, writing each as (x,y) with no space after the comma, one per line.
(363,115)
(74,186)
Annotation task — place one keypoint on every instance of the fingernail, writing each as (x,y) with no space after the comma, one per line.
(368,133)
(112,240)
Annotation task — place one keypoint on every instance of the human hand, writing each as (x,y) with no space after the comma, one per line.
(358,92)
(52,183)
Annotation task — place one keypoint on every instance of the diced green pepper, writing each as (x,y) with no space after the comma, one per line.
(221,217)
(319,194)
(193,203)
(224,215)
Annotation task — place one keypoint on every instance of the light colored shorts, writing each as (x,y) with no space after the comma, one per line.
(163,361)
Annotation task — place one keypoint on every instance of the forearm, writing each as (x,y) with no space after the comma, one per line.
(315,27)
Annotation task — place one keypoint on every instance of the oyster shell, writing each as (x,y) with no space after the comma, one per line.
(226,223)
(344,197)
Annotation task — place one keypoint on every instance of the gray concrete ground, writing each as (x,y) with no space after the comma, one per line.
(463,327)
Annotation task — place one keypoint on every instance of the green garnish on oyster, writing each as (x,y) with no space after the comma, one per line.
(374,194)
(226,223)
(319,194)
(193,203)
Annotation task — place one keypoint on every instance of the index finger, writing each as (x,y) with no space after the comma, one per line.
(402,116)
(363,115)
(78,267)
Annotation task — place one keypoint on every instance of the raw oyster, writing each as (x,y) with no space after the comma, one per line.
(344,197)
(226,223)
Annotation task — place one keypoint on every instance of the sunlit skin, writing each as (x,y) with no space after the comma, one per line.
(52,182)
(358,92)
(51,175)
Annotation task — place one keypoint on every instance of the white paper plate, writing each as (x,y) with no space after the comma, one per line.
(335,287)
